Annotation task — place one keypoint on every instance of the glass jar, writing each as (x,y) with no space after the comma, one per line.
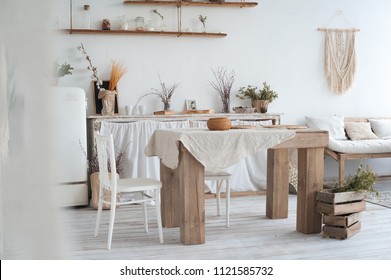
(86,17)
(150,26)
(124,23)
(139,23)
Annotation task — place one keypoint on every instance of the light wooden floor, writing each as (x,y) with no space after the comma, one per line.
(251,236)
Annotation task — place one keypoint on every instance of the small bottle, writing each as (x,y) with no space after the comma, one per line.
(86,17)
(124,23)
(139,23)
(150,26)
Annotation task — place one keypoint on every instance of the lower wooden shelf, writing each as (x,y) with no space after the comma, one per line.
(153,33)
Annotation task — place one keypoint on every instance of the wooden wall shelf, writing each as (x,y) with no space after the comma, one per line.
(195,4)
(178,4)
(134,32)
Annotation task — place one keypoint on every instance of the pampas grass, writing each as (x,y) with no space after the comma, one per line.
(117,71)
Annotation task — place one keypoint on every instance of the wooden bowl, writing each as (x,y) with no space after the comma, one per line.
(218,124)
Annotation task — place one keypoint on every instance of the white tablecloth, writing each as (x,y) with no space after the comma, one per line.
(249,174)
(215,150)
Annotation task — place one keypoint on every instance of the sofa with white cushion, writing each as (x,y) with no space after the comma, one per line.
(354,138)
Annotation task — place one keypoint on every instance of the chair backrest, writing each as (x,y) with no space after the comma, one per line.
(105,146)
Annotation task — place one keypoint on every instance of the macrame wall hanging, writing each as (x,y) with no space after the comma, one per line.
(339,57)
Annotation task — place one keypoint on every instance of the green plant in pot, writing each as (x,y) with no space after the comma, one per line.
(363,181)
(341,206)
(260,98)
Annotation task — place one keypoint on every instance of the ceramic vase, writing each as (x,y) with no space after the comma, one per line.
(108,101)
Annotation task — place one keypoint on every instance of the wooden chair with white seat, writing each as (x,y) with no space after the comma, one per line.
(219,178)
(105,145)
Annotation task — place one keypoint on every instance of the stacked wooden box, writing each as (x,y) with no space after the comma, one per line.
(341,213)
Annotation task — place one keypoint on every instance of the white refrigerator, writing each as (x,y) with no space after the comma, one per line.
(70,145)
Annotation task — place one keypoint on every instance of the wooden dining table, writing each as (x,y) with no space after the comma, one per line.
(185,154)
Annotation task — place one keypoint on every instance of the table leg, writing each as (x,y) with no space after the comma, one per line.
(310,180)
(191,191)
(277,183)
(169,196)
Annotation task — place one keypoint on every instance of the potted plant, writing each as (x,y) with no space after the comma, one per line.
(260,98)
(341,206)
(60,70)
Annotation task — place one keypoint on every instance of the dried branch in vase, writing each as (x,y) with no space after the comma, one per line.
(91,67)
(159,14)
(164,94)
(93,162)
(224,80)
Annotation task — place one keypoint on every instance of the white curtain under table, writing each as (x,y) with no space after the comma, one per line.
(248,174)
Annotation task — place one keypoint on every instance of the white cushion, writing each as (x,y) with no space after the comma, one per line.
(360,147)
(359,131)
(381,127)
(333,124)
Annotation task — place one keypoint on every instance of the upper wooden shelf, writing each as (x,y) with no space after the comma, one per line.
(134,32)
(195,3)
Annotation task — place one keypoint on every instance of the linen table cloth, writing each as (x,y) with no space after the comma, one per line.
(215,150)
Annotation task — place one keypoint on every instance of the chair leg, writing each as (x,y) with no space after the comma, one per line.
(218,190)
(111,222)
(99,213)
(227,201)
(158,215)
(145,216)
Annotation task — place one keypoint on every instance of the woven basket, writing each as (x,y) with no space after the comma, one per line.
(218,124)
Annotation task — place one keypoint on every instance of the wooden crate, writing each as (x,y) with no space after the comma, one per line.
(341,213)
(339,203)
(333,198)
(341,209)
(341,232)
(341,221)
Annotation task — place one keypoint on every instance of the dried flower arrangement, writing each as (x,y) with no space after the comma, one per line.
(117,71)
(93,162)
(91,67)
(162,27)
(164,94)
(223,85)
(203,21)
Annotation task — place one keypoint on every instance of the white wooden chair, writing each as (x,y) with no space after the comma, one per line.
(219,178)
(105,145)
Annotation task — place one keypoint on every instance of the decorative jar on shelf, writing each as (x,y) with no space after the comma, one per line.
(86,17)
(139,23)
(106,24)
(150,26)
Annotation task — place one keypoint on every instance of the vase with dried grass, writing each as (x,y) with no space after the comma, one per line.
(223,85)
(108,96)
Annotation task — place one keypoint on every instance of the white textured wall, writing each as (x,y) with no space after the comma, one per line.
(277,42)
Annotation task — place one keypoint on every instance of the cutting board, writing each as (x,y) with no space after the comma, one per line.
(166,112)
(198,112)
